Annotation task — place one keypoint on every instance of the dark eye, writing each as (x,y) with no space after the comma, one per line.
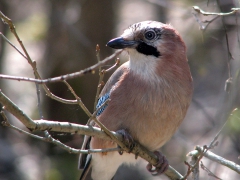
(150,35)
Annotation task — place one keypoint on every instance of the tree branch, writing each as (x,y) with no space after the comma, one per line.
(80,73)
(199,10)
(218,159)
(55,141)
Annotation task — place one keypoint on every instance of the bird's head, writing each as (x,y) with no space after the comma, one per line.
(152,46)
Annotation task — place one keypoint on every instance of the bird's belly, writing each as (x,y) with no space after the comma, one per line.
(153,133)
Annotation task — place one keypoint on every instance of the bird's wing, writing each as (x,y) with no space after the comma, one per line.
(106,91)
(85,159)
(115,77)
(82,157)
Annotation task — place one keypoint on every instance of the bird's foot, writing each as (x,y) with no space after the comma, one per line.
(127,140)
(161,166)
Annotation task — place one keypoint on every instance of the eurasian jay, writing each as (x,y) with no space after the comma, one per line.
(149,96)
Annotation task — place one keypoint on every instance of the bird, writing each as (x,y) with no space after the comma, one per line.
(148,95)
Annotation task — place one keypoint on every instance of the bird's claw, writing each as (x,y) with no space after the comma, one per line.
(160,167)
(127,140)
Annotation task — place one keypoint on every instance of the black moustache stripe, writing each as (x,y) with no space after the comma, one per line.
(147,50)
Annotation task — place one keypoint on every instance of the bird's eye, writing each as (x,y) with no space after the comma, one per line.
(150,35)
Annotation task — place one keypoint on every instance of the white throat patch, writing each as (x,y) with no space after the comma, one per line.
(142,65)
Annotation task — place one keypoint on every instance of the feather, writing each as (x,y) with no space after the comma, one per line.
(101,101)
(87,167)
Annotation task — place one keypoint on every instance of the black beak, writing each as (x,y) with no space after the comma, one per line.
(120,43)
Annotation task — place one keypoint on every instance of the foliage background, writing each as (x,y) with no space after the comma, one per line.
(61,36)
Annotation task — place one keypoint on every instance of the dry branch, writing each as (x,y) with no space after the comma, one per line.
(218,159)
(90,69)
(199,10)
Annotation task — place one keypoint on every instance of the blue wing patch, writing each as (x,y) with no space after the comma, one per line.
(102,100)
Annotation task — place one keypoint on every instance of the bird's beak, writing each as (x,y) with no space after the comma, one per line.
(121,43)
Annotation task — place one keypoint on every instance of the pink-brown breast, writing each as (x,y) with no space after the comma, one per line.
(150,111)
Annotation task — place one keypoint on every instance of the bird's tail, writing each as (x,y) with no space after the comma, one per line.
(86,167)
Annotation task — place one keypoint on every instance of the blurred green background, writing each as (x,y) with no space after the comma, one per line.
(62,35)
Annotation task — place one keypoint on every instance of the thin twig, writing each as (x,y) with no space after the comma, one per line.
(113,66)
(209,22)
(199,10)
(195,172)
(5,120)
(101,75)
(200,22)
(80,103)
(208,171)
(11,44)
(80,73)
(236,19)
(99,87)
(230,57)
